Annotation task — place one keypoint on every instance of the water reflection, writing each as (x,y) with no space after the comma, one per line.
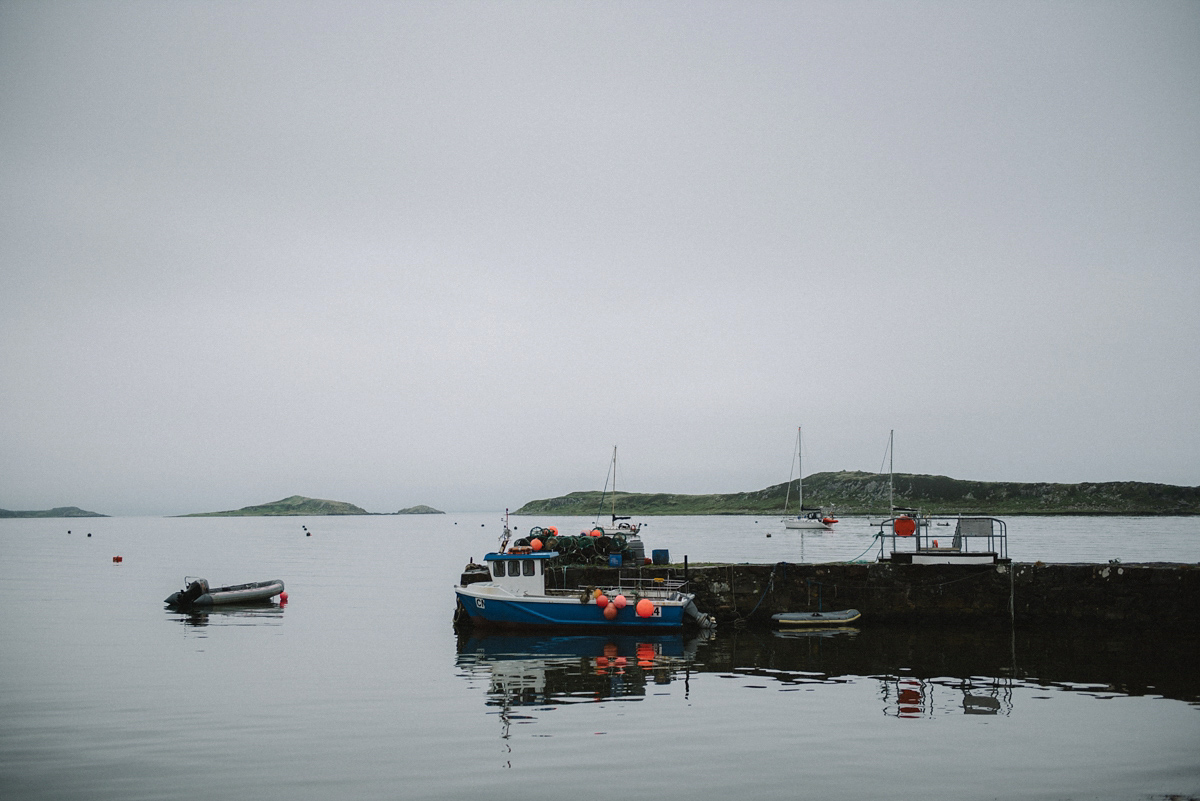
(918,673)
(909,697)
(528,670)
(249,615)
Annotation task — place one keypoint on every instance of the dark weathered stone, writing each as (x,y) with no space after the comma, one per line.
(1150,596)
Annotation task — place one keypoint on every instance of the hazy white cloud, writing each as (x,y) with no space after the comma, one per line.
(451,253)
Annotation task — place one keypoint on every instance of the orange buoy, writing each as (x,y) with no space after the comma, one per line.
(904,526)
(552,530)
(620,602)
(535,545)
(645,607)
(596,532)
(597,593)
(602,600)
(610,612)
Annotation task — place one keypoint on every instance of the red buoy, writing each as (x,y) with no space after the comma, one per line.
(118,559)
(601,600)
(610,612)
(620,602)
(283,597)
(645,607)
(535,544)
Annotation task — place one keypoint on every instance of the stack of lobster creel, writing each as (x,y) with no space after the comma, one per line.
(591,547)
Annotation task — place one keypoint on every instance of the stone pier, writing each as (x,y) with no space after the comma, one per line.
(1160,596)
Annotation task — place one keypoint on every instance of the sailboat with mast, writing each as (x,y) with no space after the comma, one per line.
(617,526)
(812,518)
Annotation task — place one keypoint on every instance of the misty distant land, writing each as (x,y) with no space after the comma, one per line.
(58,511)
(309,507)
(845,492)
(859,493)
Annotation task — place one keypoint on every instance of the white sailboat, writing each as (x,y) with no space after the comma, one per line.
(810,519)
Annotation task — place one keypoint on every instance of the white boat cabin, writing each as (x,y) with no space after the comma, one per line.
(520,573)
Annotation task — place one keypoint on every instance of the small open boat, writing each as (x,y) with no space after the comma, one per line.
(816,619)
(196,592)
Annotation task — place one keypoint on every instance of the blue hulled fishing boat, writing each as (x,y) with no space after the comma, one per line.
(509,591)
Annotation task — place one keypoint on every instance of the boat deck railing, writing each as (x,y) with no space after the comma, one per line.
(653,588)
(971,534)
(650,587)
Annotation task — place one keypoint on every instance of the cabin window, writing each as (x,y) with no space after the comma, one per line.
(498,569)
(527,567)
(514,568)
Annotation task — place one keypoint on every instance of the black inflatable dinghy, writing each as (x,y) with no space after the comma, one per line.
(197,593)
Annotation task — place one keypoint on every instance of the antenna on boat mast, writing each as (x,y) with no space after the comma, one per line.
(507,532)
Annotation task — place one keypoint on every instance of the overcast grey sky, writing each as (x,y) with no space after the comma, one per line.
(452,253)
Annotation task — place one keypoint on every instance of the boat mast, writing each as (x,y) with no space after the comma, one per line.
(614,494)
(800,466)
(791,474)
(891,472)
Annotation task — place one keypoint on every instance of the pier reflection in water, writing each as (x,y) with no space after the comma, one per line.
(917,673)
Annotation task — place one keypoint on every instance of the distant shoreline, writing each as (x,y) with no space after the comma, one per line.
(840,493)
(866,494)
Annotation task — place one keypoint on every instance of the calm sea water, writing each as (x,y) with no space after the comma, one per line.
(360,688)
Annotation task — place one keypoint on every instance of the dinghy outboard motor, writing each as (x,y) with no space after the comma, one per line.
(188,595)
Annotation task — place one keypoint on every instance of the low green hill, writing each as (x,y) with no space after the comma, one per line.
(295,505)
(419,510)
(856,492)
(58,511)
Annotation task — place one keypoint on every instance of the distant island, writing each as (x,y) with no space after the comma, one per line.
(295,505)
(58,511)
(311,507)
(859,493)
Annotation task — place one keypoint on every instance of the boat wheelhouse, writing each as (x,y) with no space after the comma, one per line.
(913,540)
(512,593)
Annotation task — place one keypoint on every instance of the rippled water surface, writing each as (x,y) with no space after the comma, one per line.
(360,688)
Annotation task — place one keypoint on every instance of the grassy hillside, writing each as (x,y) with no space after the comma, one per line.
(855,492)
(58,511)
(419,510)
(295,505)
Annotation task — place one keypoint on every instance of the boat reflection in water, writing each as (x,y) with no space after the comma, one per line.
(530,670)
(261,614)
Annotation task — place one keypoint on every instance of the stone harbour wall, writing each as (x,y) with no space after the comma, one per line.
(1162,596)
